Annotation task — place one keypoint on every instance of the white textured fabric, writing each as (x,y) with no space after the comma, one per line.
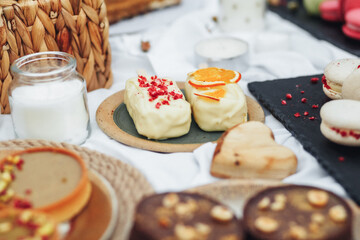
(281,50)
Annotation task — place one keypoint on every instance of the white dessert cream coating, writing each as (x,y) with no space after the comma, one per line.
(157,107)
(341,122)
(351,86)
(335,74)
(212,115)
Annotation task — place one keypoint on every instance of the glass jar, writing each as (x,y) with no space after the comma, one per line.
(48,98)
(242,15)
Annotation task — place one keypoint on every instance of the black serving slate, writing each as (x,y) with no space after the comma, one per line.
(270,94)
(323,30)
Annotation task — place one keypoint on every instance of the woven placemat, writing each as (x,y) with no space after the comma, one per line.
(129,184)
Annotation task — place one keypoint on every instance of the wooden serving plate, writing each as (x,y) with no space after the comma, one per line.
(115,121)
(235,192)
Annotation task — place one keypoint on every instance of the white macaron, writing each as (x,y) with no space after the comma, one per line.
(351,86)
(341,122)
(335,74)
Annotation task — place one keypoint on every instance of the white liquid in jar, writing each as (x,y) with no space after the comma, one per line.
(53,111)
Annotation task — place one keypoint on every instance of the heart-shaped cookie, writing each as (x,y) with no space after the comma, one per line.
(249,150)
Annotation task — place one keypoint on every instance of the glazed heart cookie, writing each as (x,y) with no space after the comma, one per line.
(249,150)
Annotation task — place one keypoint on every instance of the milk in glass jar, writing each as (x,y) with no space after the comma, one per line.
(48,98)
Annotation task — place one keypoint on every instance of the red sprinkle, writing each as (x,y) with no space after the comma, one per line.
(323,80)
(297,115)
(306,113)
(341,159)
(302,92)
(303,100)
(288,96)
(315,106)
(314,80)
(283,102)
(312,118)
(22,203)
(358,67)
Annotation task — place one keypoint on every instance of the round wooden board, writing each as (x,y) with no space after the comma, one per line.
(110,107)
(235,192)
(98,220)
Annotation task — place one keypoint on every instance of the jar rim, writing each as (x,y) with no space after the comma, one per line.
(35,57)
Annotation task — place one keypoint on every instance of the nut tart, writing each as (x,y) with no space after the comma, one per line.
(157,106)
(184,216)
(52,180)
(297,212)
(217,101)
(18,224)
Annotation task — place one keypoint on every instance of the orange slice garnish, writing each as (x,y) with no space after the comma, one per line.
(210,77)
(215,94)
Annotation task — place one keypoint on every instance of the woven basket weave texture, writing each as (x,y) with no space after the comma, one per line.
(78,27)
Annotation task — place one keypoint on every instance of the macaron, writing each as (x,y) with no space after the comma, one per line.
(331,11)
(312,7)
(352,24)
(335,74)
(340,122)
(351,86)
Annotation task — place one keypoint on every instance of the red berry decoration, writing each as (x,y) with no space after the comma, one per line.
(297,115)
(312,118)
(314,80)
(288,96)
(306,113)
(302,92)
(283,102)
(303,100)
(315,106)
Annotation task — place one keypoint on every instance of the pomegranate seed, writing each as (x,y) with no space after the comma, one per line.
(303,100)
(297,115)
(289,96)
(283,102)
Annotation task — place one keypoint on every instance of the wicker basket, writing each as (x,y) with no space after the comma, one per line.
(79,27)
(120,9)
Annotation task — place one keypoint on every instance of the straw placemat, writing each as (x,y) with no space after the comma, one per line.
(129,184)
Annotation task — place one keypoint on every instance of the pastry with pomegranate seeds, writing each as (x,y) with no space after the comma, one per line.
(335,74)
(217,101)
(157,106)
(341,121)
(51,180)
(18,224)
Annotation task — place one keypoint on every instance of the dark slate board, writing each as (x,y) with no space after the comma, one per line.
(323,30)
(270,94)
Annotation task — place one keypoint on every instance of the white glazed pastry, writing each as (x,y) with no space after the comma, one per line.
(341,122)
(335,74)
(351,86)
(216,99)
(157,107)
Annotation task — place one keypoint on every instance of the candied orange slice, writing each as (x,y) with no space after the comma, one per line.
(210,77)
(215,94)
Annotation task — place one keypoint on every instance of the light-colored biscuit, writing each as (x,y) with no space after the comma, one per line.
(335,73)
(249,151)
(341,122)
(351,86)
